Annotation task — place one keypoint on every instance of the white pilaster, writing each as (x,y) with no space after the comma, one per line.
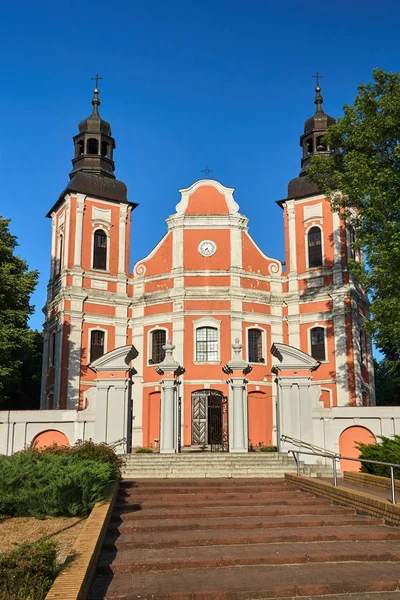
(337,253)
(339,331)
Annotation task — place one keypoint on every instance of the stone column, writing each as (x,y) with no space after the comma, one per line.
(170,369)
(238,413)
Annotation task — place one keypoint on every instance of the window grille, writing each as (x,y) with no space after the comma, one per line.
(318,343)
(100,250)
(96,345)
(206,344)
(314,247)
(158,340)
(254,340)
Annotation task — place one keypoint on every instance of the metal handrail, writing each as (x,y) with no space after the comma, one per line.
(313,447)
(335,457)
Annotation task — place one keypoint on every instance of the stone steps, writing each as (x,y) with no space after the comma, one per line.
(241,540)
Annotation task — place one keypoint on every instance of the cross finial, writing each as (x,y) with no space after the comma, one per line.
(318,77)
(96,79)
(206,171)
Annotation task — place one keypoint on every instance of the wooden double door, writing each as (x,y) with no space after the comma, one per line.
(210,420)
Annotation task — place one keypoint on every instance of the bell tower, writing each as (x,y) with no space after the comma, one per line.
(87,301)
(325,307)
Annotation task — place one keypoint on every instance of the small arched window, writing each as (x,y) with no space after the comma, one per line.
(60,254)
(100,250)
(80,149)
(206,344)
(318,343)
(92,146)
(158,340)
(104,149)
(310,146)
(254,345)
(314,247)
(96,345)
(52,353)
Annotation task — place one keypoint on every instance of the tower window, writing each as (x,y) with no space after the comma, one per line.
(100,250)
(80,148)
(158,340)
(60,254)
(321,147)
(104,149)
(318,343)
(96,345)
(206,344)
(310,146)
(52,352)
(92,146)
(254,344)
(314,247)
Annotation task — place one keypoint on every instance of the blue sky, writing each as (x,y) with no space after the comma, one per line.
(185,84)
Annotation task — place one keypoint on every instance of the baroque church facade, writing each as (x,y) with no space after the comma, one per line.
(206,287)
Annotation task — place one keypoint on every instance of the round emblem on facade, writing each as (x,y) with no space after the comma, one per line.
(207,248)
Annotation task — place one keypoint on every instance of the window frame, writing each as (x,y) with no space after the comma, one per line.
(263,344)
(103,230)
(150,343)
(323,327)
(207,322)
(308,230)
(89,346)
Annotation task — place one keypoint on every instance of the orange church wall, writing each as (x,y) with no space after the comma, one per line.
(325,224)
(194,261)
(260,418)
(161,261)
(200,281)
(327,368)
(263,309)
(253,260)
(255,284)
(206,371)
(160,284)
(99,309)
(151,417)
(155,309)
(209,305)
(112,233)
(317,307)
(348,446)
(206,200)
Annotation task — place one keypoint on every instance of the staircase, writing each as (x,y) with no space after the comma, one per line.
(214,465)
(240,540)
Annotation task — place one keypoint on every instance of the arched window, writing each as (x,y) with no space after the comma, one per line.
(52,352)
(206,344)
(310,146)
(314,247)
(100,250)
(321,147)
(60,254)
(254,345)
(96,345)
(158,340)
(104,149)
(318,343)
(79,148)
(92,146)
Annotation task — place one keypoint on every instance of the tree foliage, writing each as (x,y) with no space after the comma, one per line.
(363,181)
(17,341)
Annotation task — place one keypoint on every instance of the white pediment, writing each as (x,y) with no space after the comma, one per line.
(290,358)
(116,360)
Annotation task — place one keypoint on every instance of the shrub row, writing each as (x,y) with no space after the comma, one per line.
(28,571)
(90,451)
(39,484)
(387,450)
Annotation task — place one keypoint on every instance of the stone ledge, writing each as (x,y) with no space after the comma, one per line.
(73,581)
(373,481)
(365,503)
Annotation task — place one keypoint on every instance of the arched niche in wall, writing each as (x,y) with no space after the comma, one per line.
(50,437)
(348,440)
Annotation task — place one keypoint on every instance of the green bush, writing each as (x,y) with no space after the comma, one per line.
(143,451)
(28,572)
(387,450)
(36,484)
(268,449)
(90,451)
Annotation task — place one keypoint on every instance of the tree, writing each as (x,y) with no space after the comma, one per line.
(17,341)
(362,178)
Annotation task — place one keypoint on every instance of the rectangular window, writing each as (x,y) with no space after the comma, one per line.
(96,345)
(206,344)
(255,345)
(318,343)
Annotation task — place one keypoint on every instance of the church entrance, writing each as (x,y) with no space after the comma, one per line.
(210,420)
